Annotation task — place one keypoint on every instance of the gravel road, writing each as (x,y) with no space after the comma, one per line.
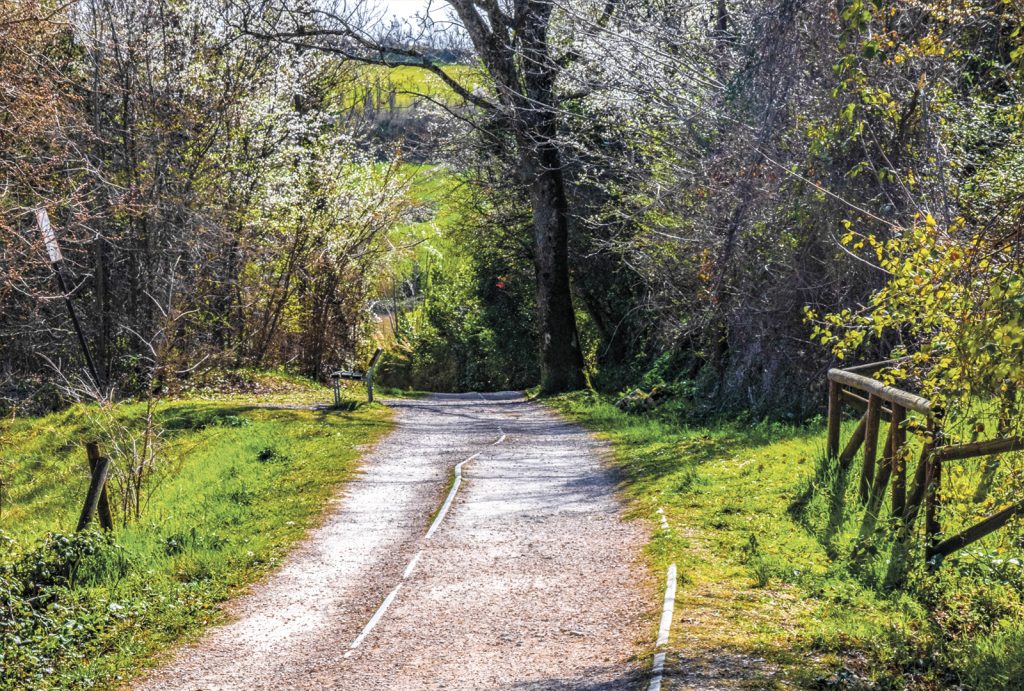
(531,580)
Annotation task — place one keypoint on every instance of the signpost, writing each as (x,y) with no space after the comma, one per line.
(53,250)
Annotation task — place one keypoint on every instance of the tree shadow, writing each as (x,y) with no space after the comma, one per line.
(597,678)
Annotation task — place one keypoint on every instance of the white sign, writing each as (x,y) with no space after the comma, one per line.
(52,249)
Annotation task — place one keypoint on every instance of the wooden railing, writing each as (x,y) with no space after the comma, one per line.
(879,402)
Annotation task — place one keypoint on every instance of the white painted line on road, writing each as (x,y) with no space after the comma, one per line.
(374,619)
(668,606)
(451,496)
(412,564)
(455,488)
(657,670)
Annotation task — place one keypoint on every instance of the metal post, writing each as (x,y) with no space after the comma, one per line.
(53,250)
(78,330)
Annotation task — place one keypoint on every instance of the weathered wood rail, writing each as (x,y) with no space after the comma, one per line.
(880,402)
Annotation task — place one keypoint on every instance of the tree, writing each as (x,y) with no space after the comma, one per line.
(514,46)
(186,170)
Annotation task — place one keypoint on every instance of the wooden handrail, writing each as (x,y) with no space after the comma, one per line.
(976,532)
(882,391)
(927,478)
(979,448)
(861,403)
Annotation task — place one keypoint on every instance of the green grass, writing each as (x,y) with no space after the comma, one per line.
(238,486)
(435,192)
(766,579)
(375,83)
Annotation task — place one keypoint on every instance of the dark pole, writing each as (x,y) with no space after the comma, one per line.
(55,261)
(78,328)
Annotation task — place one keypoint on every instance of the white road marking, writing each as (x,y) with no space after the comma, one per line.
(667,608)
(374,619)
(657,670)
(451,496)
(412,564)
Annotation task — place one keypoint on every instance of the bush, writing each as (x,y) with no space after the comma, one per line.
(63,560)
(45,619)
(467,334)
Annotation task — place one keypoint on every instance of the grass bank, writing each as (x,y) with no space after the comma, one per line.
(234,487)
(766,599)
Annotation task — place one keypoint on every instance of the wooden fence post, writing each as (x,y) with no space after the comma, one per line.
(92,498)
(932,503)
(853,446)
(867,473)
(917,488)
(369,373)
(899,463)
(877,491)
(103,507)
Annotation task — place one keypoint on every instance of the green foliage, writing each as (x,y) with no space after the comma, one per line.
(382,88)
(463,310)
(68,561)
(956,299)
(996,660)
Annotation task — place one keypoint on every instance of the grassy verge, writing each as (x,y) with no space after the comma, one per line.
(234,488)
(766,600)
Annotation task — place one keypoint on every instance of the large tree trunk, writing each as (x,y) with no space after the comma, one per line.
(560,354)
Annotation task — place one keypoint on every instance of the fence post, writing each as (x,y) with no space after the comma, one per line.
(871,417)
(336,384)
(369,373)
(899,462)
(92,498)
(92,449)
(853,445)
(932,499)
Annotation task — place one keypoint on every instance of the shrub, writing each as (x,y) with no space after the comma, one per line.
(65,560)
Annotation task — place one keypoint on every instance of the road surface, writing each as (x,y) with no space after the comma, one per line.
(529,578)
